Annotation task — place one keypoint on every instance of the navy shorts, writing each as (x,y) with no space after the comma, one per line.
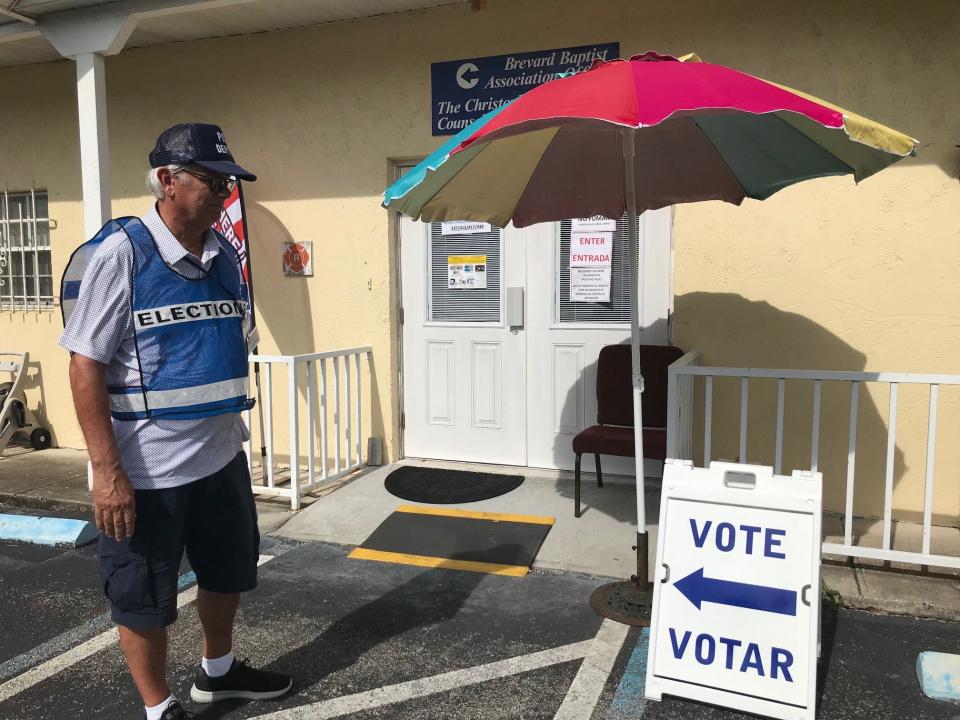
(214,519)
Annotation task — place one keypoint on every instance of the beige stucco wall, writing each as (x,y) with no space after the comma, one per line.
(824,275)
(39,149)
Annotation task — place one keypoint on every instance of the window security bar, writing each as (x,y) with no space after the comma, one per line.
(26,279)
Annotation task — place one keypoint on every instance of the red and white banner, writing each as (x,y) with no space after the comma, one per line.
(232,227)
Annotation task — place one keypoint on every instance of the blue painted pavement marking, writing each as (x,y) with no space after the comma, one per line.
(188,578)
(939,675)
(629,698)
(63,642)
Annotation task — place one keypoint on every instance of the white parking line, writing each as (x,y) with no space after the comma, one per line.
(423,687)
(84,650)
(71,638)
(585,690)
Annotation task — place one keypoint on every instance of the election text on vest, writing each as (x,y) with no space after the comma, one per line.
(189,312)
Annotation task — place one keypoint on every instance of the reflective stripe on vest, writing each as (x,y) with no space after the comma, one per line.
(164,399)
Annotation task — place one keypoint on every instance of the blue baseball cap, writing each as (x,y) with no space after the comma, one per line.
(197,144)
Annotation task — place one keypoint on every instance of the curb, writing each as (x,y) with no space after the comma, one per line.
(47,530)
(939,675)
(39,502)
(882,591)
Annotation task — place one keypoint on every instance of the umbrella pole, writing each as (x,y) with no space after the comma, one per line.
(633,235)
(631,601)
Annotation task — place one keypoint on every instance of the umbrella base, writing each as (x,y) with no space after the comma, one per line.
(624,602)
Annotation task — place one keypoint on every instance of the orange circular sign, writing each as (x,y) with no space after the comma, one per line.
(296,257)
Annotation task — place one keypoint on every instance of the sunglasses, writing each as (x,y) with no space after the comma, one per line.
(218,185)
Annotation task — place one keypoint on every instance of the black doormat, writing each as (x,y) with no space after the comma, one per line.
(443,487)
(493,543)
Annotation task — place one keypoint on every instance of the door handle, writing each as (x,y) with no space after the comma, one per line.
(515,307)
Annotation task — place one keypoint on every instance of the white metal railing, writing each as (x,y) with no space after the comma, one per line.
(338,419)
(680,439)
(680,407)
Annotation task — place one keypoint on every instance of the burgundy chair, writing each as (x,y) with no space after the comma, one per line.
(613,433)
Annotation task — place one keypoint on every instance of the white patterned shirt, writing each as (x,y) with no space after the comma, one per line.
(156,453)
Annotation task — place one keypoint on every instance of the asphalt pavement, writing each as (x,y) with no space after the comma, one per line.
(374,640)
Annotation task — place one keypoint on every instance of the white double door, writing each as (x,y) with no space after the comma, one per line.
(500,367)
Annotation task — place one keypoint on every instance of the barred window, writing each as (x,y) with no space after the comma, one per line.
(26,276)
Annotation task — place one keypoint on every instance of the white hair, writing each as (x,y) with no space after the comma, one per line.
(153,182)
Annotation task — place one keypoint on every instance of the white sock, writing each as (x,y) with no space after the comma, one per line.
(154,713)
(216,667)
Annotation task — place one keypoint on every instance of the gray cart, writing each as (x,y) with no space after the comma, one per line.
(15,416)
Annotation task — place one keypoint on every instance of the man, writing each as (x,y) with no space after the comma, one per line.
(155,320)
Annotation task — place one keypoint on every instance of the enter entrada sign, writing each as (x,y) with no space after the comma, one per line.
(742,546)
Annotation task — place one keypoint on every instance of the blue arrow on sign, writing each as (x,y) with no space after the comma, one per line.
(699,589)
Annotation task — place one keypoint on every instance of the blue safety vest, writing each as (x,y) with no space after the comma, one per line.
(189,333)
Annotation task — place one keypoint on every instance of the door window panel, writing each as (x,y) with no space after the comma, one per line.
(617,311)
(457,292)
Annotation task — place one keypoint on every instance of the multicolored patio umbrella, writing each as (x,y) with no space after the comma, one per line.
(702,132)
(640,134)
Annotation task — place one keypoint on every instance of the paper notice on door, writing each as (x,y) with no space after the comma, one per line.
(590,284)
(597,223)
(463,227)
(590,264)
(591,249)
(467,272)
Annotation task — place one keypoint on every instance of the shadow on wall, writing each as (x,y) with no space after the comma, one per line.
(578,411)
(34,381)
(285,313)
(593,497)
(376,427)
(731,331)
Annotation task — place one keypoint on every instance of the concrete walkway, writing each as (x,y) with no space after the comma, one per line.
(598,543)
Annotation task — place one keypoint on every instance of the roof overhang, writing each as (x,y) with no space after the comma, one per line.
(42,30)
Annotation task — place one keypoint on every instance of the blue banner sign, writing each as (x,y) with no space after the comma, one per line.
(464,90)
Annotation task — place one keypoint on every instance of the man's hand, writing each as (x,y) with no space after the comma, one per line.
(113,503)
(113,498)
